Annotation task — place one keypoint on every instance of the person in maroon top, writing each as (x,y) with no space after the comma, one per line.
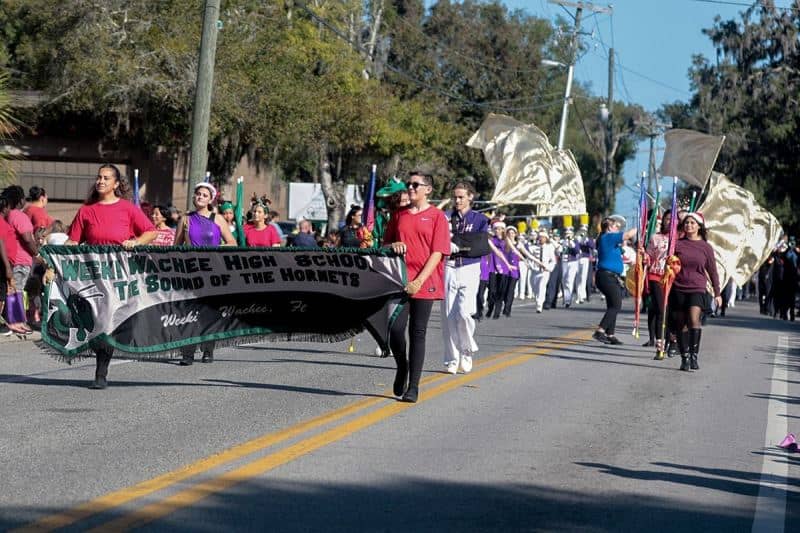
(107,218)
(686,299)
(420,233)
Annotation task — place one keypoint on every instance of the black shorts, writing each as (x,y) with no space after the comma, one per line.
(682,301)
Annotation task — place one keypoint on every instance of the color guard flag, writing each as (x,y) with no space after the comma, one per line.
(690,155)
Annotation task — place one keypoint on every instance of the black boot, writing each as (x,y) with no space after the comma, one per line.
(101,370)
(694,347)
(401,377)
(187,356)
(683,340)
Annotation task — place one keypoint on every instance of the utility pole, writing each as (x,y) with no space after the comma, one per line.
(608,167)
(202,98)
(579,7)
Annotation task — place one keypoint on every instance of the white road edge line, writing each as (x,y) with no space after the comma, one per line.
(770,515)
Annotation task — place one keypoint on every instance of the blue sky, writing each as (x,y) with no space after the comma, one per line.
(654,41)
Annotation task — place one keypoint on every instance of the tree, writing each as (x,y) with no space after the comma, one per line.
(749,94)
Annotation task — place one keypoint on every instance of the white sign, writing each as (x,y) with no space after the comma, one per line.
(307,201)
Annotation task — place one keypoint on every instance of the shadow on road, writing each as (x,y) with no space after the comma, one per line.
(413,504)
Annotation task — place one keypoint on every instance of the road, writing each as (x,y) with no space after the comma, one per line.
(550,432)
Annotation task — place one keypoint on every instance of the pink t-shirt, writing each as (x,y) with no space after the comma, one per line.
(21,224)
(109,223)
(265,237)
(423,233)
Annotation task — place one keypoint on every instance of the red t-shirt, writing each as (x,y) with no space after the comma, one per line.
(38,216)
(9,237)
(265,237)
(423,233)
(109,223)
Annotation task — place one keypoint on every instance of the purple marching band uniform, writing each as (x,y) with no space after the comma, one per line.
(498,279)
(570,254)
(584,281)
(463,279)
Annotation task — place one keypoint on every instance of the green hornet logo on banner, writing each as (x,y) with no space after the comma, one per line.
(151,301)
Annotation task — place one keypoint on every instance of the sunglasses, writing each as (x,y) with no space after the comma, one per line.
(415,185)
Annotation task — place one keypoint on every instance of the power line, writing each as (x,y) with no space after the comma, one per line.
(744,4)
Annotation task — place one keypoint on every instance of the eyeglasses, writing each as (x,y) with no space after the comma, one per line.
(415,185)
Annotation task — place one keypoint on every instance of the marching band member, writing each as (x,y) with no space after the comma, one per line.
(462,275)
(544,261)
(586,245)
(570,256)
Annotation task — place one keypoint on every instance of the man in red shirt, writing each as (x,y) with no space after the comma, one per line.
(35,209)
(421,233)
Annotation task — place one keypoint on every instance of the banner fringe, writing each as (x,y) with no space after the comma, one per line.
(176,353)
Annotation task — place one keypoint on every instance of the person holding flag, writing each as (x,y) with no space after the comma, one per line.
(609,274)
(657,252)
(697,264)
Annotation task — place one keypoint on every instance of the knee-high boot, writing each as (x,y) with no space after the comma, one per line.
(683,341)
(101,371)
(694,347)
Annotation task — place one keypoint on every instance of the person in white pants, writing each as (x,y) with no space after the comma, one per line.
(570,254)
(461,278)
(524,288)
(584,262)
(543,260)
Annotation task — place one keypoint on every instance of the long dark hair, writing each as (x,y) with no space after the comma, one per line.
(123,191)
(701,228)
(606,225)
(348,221)
(664,227)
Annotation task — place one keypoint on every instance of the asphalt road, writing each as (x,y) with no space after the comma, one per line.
(550,432)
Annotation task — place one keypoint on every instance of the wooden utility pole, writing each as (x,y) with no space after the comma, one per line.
(201,113)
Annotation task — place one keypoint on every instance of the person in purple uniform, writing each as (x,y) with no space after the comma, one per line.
(203,227)
(498,271)
(483,286)
(513,255)
(462,278)
(688,290)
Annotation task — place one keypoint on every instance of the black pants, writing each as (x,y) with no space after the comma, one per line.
(482,286)
(498,284)
(608,284)
(655,310)
(553,284)
(415,315)
(508,299)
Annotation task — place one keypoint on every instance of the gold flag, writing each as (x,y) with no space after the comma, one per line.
(742,233)
(690,155)
(526,167)
(567,185)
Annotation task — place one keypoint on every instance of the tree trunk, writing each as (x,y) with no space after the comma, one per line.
(332,189)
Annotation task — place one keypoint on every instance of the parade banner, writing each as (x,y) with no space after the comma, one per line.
(151,301)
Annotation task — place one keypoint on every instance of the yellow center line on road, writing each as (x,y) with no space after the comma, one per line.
(199,491)
(128,494)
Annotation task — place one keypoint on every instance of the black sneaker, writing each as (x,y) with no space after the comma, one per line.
(613,340)
(601,336)
(4,331)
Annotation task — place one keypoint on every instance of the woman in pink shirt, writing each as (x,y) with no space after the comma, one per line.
(107,218)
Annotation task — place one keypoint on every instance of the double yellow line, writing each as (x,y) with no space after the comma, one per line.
(198,491)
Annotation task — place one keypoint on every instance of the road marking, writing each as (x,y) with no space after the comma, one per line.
(126,495)
(770,515)
(199,491)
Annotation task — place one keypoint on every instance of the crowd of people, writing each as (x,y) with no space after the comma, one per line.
(474,264)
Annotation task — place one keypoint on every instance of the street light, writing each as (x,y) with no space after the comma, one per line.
(567,94)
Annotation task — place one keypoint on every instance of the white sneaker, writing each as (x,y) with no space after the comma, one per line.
(452,367)
(466,363)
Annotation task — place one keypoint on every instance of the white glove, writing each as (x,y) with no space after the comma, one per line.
(454,249)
